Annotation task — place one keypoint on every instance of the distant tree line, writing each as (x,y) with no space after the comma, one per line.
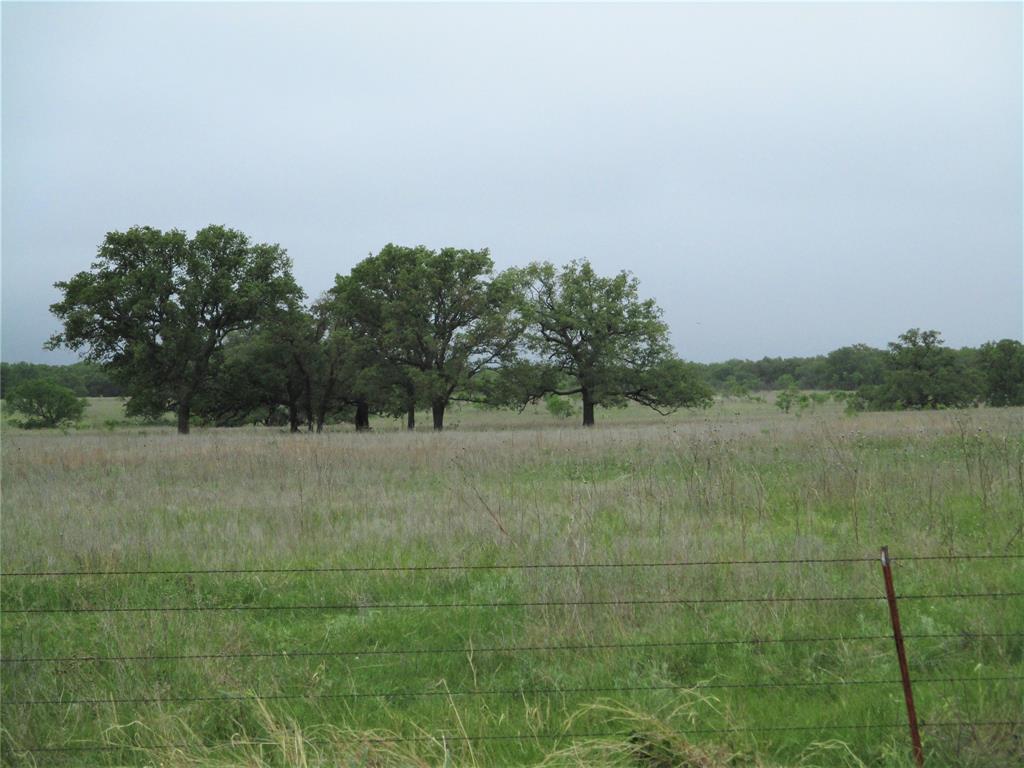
(846,368)
(84,379)
(214,328)
(915,371)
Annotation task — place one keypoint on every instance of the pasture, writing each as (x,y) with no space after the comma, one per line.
(650,665)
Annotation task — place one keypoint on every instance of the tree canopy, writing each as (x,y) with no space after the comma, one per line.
(156,308)
(45,404)
(920,372)
(435,319)
(594,336)
(1002,377)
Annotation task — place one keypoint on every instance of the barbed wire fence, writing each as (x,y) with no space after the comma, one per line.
(913,723)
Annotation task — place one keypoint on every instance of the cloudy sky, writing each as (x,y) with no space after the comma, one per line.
(783,179)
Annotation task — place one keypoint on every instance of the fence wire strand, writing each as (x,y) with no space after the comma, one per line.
(512,604)
(284,655)
(499,566)
(495,692)
(448,737)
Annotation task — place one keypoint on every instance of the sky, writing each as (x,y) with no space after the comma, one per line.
(783,179)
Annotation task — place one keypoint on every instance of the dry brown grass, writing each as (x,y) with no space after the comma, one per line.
(221,498)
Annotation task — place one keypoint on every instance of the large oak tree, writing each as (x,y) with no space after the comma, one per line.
(439,317)
(595,337)
(156,308)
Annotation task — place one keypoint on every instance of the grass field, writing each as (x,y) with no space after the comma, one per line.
(740,481)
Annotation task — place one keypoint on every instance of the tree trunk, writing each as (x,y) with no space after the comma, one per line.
(184,415)
(321,415)
(438,409)
(362,416)
(325,401)
(308,393)
(588,409)
(293,416)
(410,418)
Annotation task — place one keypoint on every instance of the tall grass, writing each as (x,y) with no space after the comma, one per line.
(741,482)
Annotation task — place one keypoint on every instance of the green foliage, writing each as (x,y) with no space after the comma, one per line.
(1002,368)
(85,379)
(922,373)
(434,319)
(249,383)
(598,339)
(670,384)
(787,381)
(845,368)
(791,398)
(156,308)
(299,367)
(738,386)
(45,404)
(560,407)
(213,325)
(848,368)
(785,399)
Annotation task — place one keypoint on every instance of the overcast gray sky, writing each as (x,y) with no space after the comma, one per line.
(783,179)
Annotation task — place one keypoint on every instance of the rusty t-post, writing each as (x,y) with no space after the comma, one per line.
(897,634)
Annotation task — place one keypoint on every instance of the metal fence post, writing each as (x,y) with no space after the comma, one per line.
(897,634)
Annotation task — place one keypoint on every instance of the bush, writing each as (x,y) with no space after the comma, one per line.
(560,407)
(46,404)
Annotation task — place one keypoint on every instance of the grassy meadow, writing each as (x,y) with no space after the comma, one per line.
(333,685)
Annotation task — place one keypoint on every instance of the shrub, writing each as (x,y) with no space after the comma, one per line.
(45,404)
(790,397)
(561,407)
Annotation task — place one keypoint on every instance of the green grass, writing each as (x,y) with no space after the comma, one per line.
(741,481)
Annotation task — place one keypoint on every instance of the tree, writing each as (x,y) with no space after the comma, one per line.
(301,365)
(435,319)
(922,373)
(375,381)
(854,366)
(1002,372)
(321,363)
(595,337)
(788,397)
(251,383)
(156,307)
(45,403)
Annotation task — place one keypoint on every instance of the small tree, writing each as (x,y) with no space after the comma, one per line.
(46,404)
(785,399)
